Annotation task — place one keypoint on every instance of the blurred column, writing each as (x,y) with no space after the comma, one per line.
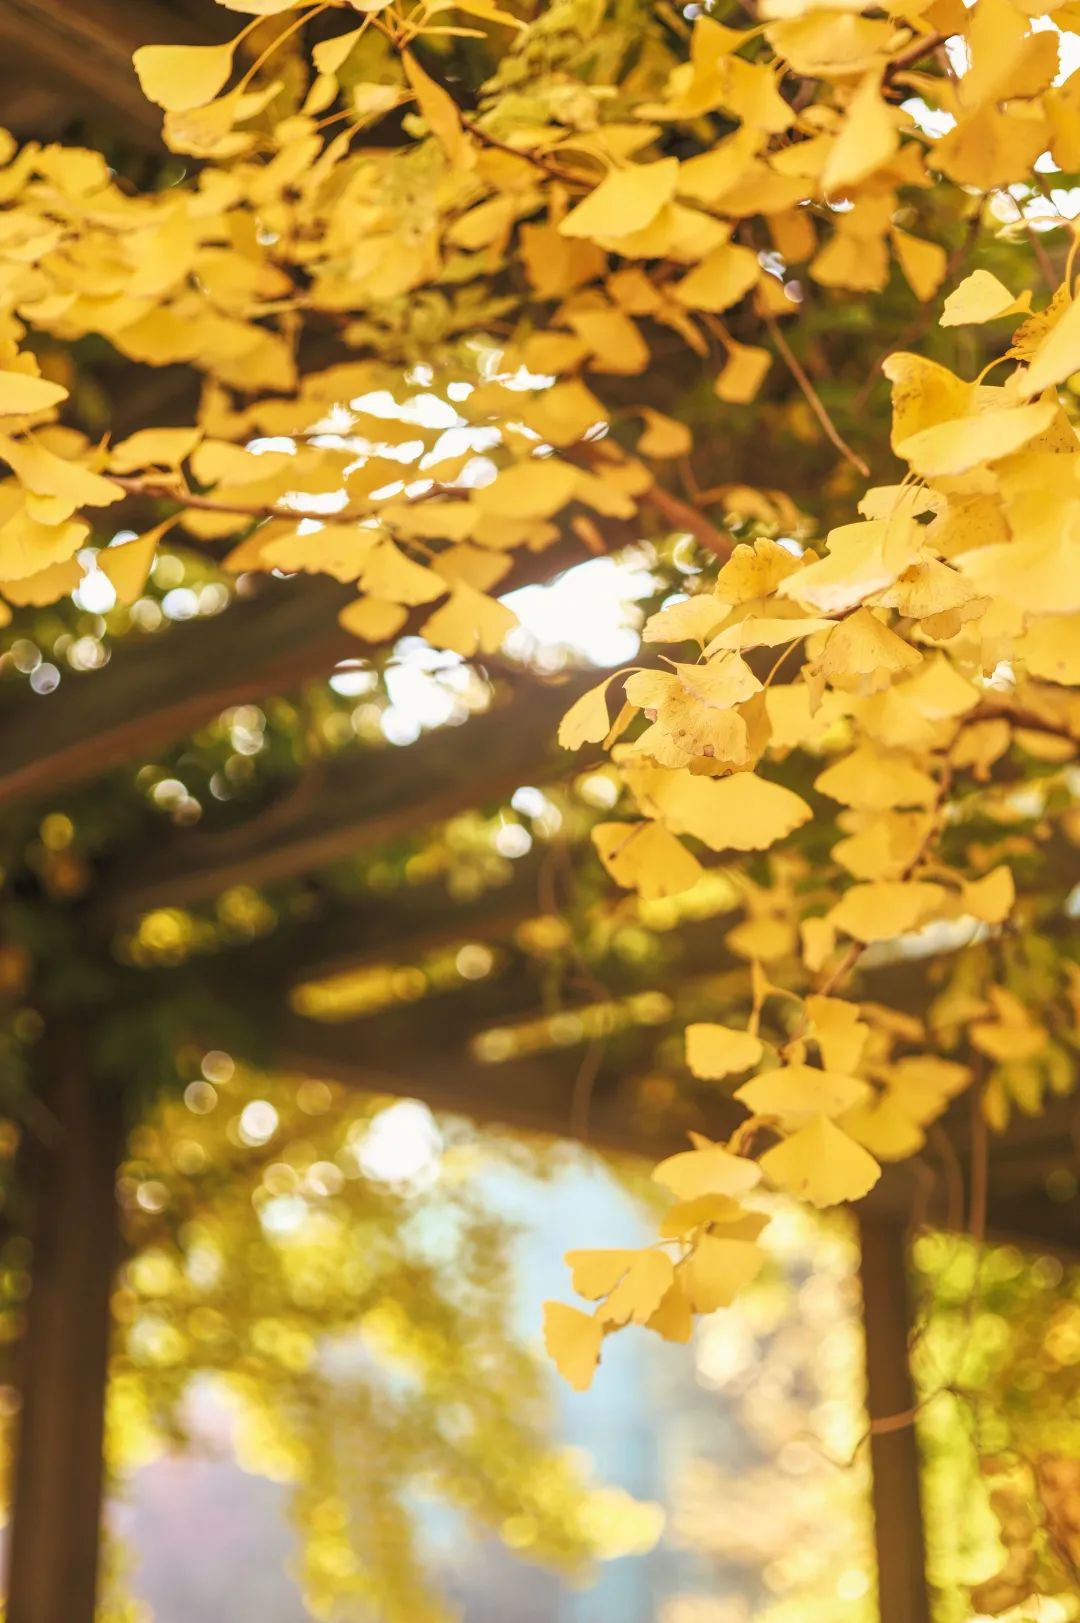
(898,1522)
(58,1475)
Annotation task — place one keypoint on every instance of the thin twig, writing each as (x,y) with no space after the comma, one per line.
(980,1157)
(527,154)
(584,1086)
(913,53)
(954,1178)
(813,399)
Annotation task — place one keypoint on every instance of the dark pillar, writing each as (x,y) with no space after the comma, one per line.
(58,1475)
(894,1455)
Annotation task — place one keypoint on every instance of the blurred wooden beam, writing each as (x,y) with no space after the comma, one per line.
(405,925)
(363,798)
(1033,1172)
(161,687)
(164,686)
(427,1055)
(903,1594)
(59,1466)
(425,1050)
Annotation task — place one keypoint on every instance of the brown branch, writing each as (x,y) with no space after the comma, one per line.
(954,1177)
(907,58)
(684,517)
(527,154)
(813,399)
(980,1158)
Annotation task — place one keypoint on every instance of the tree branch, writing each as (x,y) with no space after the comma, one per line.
(684,517)
(813,399)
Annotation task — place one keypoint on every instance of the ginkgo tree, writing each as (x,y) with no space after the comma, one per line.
(658,262)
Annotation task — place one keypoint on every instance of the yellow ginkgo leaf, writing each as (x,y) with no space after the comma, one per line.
(22,394)
(692,620)
(923,393)
(709,1171)
(389,573)
(724,277)
(535,488)
(330,54)
(626,200)
(177,77)
(684,726)
(373,618)
(128,564)
(924,264)
(594,1274)
(882,909)
(822,1164)
(641,1289)
(568,411)
(862,559)
(1058,356)
(956,447)
(981,297)
(573,1341)
(340,550)
(877,780)
(1044,746)
(1040,576)
(817,938)
(154,448)
(743,373)
(719,1268)
(766,631)
(835,1026)
(40,470)
(927,588)
(1050,648)
(712,1211)
(861,648)
(755,571)
(1009,1039)
(714,1051)
(674,1318)
(884,1129)
(742,812)
(724,679)
(868,139)
(663,436)
(469,623)
(587,720)
(992,147)
(764,940)
(440,111)
(794,1092)
(991,898)
(924,1083)
(46,585)
(27,547)
(646,858)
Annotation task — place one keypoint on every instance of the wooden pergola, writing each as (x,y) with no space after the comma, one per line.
(70,64)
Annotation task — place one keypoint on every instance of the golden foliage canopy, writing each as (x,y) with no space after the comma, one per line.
(592,228)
